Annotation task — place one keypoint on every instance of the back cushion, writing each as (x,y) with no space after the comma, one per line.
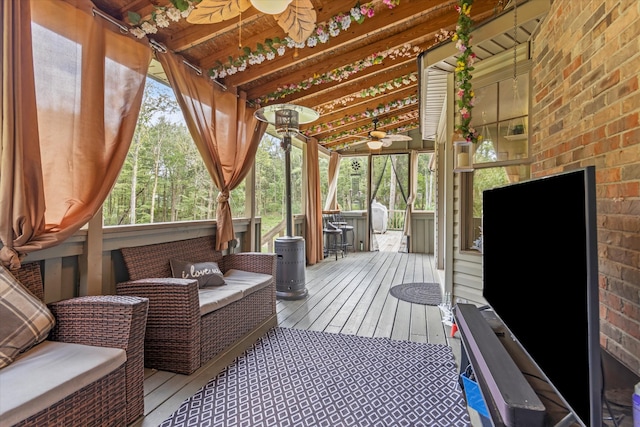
(149,261)
(26,321)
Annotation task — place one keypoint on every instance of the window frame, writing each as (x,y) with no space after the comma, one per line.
(467,223)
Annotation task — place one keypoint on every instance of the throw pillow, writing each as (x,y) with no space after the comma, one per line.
(206,273)
(26,321)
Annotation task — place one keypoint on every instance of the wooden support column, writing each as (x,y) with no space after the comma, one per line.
(90,262)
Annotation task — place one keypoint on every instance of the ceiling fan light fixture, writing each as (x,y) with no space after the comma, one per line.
(271,7)
(374,144)
(377,134)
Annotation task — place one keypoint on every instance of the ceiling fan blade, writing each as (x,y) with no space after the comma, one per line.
(298,20)
(398,137)
(212,11)
(356,143)
(386,142)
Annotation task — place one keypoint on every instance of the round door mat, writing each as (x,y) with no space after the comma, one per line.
(424,293)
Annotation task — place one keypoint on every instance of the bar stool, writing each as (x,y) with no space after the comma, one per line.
(347,244)
(333,238)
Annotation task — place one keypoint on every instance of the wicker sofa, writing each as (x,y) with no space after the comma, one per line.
(187,325)
(89,371)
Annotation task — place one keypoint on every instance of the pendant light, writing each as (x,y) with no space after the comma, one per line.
(271,7)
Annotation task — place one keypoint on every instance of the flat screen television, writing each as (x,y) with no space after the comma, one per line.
(540,276)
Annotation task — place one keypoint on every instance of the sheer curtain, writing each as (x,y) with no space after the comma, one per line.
(72,86)
(224,129)
(413,185)
(334,170)
(313,206)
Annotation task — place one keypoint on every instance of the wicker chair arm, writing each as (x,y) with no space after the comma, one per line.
(108,321)
(102,321)
(256,262)
(172,302)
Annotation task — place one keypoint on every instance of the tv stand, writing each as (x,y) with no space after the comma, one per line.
(511,384)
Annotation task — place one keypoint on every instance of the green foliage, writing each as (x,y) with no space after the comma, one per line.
(164,178)
(181,5)
(134,18)
(484,179)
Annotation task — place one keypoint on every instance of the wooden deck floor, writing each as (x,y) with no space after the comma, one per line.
(350,296)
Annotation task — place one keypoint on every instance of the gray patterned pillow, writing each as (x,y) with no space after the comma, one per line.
(206,273)
(26,321)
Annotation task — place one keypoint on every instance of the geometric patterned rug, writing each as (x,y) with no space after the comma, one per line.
(295,377)
(418,293)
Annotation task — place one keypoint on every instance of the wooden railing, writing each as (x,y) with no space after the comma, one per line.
(396,219)
(66,265)
(267,241)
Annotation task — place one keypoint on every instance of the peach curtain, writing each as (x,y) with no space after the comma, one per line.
(72,86)
(332,195)
(313,206)
(224,129)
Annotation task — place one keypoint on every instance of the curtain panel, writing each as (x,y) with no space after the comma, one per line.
(334,171)
(225,132)
(72,86)
(313,206)
(413,186)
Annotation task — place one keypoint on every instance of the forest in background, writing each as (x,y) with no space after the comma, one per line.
(164,178)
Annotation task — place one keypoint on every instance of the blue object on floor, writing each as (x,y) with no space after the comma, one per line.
(474,396)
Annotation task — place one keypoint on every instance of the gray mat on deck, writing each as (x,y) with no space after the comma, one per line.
(295,377)
(424,293)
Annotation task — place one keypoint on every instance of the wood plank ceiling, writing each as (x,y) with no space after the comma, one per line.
(364,71)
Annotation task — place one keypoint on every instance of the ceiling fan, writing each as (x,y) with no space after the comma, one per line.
(378,138)
(296,17)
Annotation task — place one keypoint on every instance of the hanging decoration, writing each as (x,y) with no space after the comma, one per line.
(271,48)
(406,80)
(369,113)
(405,122)
(340,74)
(465,96)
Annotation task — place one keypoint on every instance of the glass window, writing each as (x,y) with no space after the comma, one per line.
(163,178)
(483,179)
(501,157)
(297,201)
(426,189)
(323,165)
(501,117)
(352,184)
(270,185)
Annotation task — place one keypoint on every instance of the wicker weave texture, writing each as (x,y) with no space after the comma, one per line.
(153,260)
(101,403)
(255,262)
(177,338)
(223,327)
(102,321)
(30,277)
(172,339)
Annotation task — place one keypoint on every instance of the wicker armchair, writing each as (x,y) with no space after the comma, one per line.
(178,338)
(103,321)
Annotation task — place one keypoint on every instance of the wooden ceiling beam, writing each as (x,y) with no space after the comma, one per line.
(358,110)
(353,86)
(384,23)
(365,122)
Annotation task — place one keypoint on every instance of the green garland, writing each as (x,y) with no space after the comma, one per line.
(465,96)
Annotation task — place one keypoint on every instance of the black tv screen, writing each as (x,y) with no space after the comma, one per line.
(540,276)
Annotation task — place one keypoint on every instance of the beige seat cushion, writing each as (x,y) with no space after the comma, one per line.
(246,281)
(214,298)
(50,371)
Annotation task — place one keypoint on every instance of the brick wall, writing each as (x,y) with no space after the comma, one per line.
(586,111)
